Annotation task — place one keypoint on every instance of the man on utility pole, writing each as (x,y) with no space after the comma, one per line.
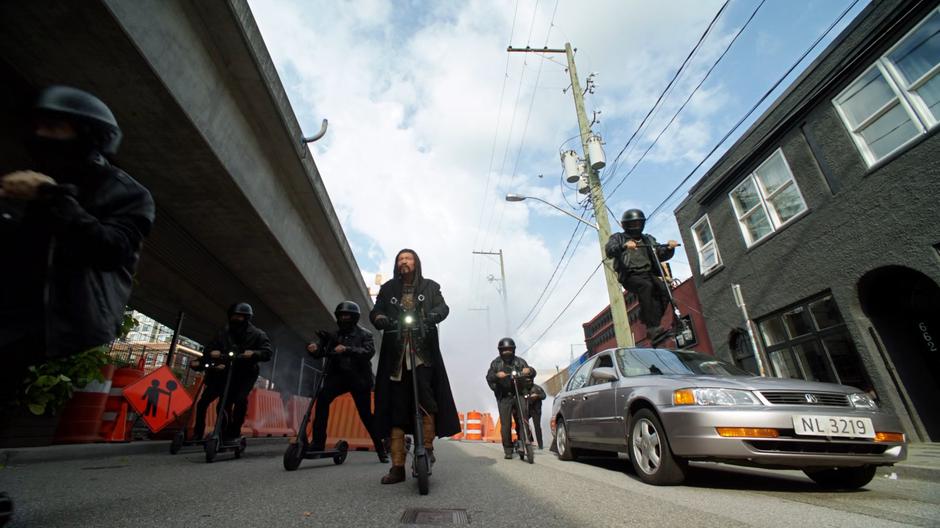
(618,308)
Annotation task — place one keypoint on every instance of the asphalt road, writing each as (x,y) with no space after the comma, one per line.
(157,490)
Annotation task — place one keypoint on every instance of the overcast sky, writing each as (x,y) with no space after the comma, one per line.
(432,122)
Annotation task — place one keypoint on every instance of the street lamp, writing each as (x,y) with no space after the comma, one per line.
(512,197)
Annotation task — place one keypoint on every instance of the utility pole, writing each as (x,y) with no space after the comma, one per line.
(618,308)
(502,289)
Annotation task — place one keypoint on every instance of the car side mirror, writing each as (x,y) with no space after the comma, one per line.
(604,374)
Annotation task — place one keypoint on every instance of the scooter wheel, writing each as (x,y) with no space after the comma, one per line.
(293,456)
(343,447)
(530,454)
(422,467)
(6,508)
(211,448)
(177,443)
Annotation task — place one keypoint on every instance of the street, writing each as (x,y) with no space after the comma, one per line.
(161,490)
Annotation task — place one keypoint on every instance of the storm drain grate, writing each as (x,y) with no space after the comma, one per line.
(429,517)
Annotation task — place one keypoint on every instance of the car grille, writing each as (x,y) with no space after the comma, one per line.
(829,399)
(818,447)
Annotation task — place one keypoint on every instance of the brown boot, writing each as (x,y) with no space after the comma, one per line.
(428,430)
(396,446)
(395,475)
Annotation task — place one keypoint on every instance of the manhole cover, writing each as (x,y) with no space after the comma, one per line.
(427,517)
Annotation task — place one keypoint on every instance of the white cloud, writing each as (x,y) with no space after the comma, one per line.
(412,104)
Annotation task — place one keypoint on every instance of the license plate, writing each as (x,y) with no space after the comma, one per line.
(842,426)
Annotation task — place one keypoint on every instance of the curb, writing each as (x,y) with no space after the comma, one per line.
(910,471)
(69,452)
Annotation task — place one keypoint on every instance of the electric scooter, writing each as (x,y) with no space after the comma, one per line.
(215,443)
(181,438)
(411,333)
(300,448)
(523,444)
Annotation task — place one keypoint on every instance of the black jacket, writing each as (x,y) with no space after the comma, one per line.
(535,397)
(504,387)
(632,261)
(356,362)
(432,308)
(76,251)
(253,339)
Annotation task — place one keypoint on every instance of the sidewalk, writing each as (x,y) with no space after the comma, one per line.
(923,463)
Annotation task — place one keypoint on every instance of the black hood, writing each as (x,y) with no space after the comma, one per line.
(418,275)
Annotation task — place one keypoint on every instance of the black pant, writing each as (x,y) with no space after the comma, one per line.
(535,413)
(242,386)
(334,387)
(650,291)
(210,392)
(509,411)
(403,409)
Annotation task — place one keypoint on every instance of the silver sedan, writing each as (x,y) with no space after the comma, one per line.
(666,408)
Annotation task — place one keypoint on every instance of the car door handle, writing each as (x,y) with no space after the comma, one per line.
(586,396)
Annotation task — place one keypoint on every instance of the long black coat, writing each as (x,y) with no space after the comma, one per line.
(254,339)
(430,303)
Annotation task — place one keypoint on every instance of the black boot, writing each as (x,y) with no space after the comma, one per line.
(508,453)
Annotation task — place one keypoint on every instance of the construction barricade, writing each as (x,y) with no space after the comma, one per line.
(266,415)
(117,418)
(473,428)
(80,420)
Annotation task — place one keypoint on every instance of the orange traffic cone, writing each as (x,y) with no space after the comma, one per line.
(119,433)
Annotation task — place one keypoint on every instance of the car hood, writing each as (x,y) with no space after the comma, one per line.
(761,384)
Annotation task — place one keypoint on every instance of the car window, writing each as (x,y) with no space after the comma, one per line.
(602,361)
(581,376)
(645,361)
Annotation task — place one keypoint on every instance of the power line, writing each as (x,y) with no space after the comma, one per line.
(565,309)
(689,98)
(489,170)
(552,277)
(673,80)
(753,108)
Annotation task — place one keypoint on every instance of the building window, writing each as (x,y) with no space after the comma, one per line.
(767,199)
(810,341)
(898,98)
(708,257)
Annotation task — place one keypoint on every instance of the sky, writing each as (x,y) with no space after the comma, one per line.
(432,123)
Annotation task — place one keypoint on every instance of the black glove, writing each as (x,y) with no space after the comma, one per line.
(385,323)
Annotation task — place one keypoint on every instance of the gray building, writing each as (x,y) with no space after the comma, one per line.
(825,213)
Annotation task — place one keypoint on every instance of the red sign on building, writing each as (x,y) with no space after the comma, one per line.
(159,398)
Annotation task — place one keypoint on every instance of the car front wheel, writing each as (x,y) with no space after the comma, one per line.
(848,478)
(650,454)
(565,452)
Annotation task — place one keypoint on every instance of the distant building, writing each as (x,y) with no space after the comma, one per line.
(825,213)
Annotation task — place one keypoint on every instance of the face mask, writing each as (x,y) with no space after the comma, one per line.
(346,323)
(61,159)
(507,356)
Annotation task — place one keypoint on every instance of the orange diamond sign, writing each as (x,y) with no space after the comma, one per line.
(159,398)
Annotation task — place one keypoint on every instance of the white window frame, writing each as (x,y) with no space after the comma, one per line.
(712,244)
(905,95)
(772,217)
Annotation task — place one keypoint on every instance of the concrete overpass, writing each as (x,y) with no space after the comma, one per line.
(242,210)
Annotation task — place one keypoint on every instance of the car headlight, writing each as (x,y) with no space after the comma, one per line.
(724,397)
(861,400)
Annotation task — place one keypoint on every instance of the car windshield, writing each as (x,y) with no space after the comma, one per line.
(646,361)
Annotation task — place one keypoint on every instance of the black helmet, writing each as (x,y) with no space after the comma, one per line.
(633,221)
(241,308)
(505,343)
(347,307)
(95,123)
